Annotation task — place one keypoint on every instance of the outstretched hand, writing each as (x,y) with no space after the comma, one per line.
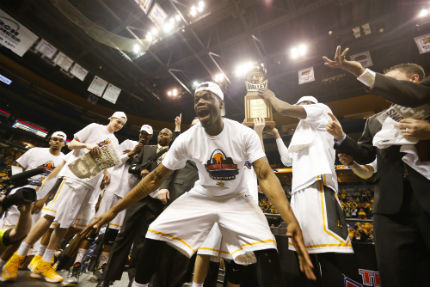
(294,232)
(340,62)
(334,128)
(98,223)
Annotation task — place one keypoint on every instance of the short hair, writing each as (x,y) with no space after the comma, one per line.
(409,69)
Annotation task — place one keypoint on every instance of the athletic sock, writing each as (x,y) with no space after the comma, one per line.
(48,255)
(41,250)
(197,284)
(104,257)
(80,255)
(2,262)
(135,284)
(23,249)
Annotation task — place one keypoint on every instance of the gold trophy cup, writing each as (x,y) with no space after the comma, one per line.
(255,106)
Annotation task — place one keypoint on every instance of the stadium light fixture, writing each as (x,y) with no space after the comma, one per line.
(423,13)
(243,68)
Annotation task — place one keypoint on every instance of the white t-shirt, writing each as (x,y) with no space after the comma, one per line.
(316,161)
(219,159)
(39,157)
(91,134)
(121,180)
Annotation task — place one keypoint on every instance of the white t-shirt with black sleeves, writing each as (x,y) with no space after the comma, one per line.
(220,159)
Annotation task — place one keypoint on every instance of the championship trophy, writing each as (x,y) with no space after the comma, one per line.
(255,106)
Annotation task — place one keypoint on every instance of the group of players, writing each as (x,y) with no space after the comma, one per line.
(219,215)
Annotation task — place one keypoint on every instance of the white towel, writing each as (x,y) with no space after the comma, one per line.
(411,158)
(302,138)
(390,135)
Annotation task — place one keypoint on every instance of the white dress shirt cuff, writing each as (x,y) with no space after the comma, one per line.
(367,78)
(339,142)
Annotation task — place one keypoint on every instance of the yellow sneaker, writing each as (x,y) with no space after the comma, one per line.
(10,270)
(48,273)
(32,266)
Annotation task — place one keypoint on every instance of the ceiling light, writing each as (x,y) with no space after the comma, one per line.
(219,78)
(201,6)
(149,36)
(298,51)
(303,49)
(177,18)
(174,92)
(136,48)
(294,53)
(243,68)
(423,13)
(154,31)
(193,11)
(168,26)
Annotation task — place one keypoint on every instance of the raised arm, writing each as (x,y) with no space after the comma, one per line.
(404,93)
(272,188)
(281,106)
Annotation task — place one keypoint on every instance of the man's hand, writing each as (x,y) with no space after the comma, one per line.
(137,148)
(345,159)
(334,128)
(340,62)
(266,94)
(259,124)
(294,232)
(163,195)
(98,223)
(37,206)
(94,149)
(274,132)
(416,129)
(106,180)
(178,121)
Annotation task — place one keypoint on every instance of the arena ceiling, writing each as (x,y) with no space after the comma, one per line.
(99,36)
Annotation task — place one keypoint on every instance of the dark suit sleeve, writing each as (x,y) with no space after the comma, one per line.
(362,151)
(166,183)
(403,93)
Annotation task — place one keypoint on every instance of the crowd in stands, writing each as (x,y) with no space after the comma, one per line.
(356,201)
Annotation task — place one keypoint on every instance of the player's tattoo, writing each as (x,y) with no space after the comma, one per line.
(157,175)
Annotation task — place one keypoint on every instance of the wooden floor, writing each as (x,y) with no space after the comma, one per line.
(84,281)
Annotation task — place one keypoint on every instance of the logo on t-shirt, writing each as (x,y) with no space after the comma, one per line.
(49,166)
(221,167)
(103,143)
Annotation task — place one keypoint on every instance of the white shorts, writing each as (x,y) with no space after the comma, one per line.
(321,219)
(186,223)
(70,205)
(11,217)
(109,199)
(215,247)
